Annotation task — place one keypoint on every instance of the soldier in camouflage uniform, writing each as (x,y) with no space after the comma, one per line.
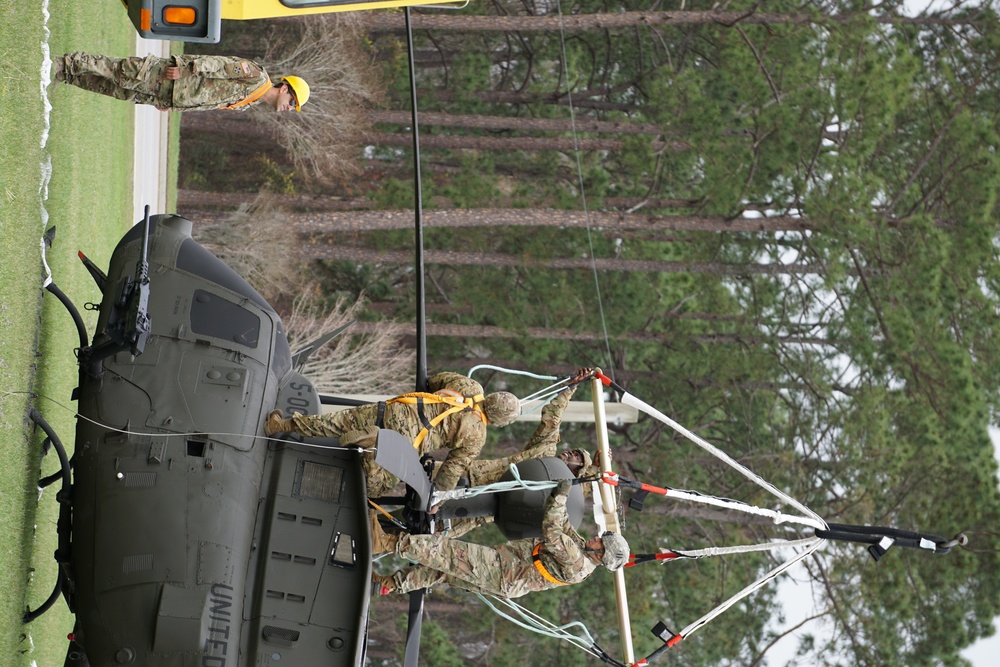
(508,570)
(541,445)
(182,82)
(462,433)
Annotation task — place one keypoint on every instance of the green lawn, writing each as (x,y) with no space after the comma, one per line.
(88,199)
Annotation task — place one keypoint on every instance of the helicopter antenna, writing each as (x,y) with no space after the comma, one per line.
(418,263)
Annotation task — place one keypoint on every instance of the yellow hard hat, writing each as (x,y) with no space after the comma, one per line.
(300,88)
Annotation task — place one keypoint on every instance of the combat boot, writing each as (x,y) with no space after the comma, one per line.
(382,542)
(275,424)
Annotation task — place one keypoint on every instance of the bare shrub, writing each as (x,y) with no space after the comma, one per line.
(253,240)
(329,52)
(375,363)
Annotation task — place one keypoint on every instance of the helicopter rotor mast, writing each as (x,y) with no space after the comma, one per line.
(418,264)
(415,613)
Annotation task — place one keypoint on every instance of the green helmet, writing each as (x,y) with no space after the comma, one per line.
(501,408)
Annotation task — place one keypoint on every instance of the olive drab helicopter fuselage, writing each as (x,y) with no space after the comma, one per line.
(196,540)
(188,538)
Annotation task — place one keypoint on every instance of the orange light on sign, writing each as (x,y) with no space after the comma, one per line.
(179,15)
(144,19)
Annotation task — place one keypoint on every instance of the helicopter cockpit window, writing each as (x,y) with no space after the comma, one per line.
(212,315)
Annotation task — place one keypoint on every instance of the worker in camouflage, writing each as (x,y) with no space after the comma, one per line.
(182,82)
(463,433)
(542,443)
(508,570)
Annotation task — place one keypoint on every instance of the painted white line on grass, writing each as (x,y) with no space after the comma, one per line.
(46,165)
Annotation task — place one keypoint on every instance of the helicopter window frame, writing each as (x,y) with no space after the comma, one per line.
(212,315)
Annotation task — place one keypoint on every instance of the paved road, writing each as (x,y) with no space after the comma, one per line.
(150,172)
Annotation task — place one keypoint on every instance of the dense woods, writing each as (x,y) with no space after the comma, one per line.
(778,228)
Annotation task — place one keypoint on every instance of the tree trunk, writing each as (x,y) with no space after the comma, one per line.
(197,202)
(333,221)
(579,100)
(318,250)
(612,21)
(510,123)
(491,143)
(545,333)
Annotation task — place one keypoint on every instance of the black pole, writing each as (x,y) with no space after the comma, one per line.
(418,264)
(416,608)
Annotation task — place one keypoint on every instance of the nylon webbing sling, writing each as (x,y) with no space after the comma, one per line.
(457,403)
(537,562)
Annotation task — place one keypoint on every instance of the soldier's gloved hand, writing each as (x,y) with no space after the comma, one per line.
(564,486)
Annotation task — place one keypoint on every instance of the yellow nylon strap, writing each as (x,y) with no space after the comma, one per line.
(252,97)
(457,402)
(424,432)
(537,561)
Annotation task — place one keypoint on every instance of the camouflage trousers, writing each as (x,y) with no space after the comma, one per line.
(378,480)
(505,570)
(135,79)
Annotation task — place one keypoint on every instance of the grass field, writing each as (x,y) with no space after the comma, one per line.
(87,141)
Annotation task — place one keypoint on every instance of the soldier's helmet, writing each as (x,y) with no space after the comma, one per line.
(501,408)
(616,551)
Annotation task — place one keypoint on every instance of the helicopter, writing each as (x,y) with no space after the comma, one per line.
(189,538)
(186,536)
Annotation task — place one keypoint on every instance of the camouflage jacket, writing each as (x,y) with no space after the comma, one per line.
(505,570)
(542,444)
(216,82)
(562,549)
(462,433)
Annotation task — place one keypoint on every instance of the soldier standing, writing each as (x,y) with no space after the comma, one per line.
(182,82)
(455,419)
(508,570)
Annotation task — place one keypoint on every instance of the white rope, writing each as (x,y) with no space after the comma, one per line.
(535,623)
(546,392)
(583,189)
(629,399)
(496,487)
(193,434)
(693,627)
(511,370)
(739,549)
(776,516)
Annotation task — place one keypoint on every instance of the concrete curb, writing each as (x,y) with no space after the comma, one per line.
(150,151)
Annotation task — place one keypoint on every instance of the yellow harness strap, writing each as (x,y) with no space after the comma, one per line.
(537,561)
(252,97)
(457,402)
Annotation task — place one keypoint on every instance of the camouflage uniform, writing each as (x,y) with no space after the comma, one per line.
(207,82)
(505,570)
(487,471)
(542,444)
(463,433)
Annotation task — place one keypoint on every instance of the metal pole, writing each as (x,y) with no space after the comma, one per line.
(610,507)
